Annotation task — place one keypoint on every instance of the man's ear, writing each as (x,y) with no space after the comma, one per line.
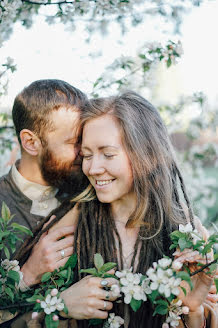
(30,142)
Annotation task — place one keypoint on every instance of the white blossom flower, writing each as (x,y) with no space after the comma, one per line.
(185,310)
(51,304)
(115,290)
(173,319)
(185,228)
(130,286)
(146,287)
(115,321)
(177,265)
(122,273)
(164,262)
(59,304)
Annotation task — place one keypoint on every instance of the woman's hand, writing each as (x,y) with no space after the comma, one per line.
(201,281)
(87,299)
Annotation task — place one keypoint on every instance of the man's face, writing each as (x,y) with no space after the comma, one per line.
(59,161)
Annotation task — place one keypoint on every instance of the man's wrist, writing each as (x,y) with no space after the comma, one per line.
(29,279)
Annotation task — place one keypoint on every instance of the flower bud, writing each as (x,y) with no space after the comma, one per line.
(38,301)
(176,265)
(165,325)
(54,292)
(185,310)
(55,317)
(34,315)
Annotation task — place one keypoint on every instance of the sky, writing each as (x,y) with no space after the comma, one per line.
(49,51)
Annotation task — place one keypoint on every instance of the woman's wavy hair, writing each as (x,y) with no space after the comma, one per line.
(156,180)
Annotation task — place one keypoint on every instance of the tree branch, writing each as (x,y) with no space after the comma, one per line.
(203,267)
(17,305)
(47,3)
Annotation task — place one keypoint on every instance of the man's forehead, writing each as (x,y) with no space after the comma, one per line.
(64,116)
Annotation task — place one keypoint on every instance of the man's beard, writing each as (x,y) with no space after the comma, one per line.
(66,176)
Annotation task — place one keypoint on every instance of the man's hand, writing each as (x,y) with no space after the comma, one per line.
(51,252)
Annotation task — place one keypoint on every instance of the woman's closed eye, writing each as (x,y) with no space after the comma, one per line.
(86,156)
(107,155)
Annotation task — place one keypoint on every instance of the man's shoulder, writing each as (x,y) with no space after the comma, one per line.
(5,181)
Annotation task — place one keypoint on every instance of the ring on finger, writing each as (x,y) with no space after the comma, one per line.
(104,283)
(105,305)
(107,295)
(62,253)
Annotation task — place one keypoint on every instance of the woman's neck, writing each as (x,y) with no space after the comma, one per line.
(123,208)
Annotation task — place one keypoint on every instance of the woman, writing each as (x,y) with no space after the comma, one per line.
(130,208)
(129,161)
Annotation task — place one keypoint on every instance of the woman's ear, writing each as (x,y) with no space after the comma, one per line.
(30,142)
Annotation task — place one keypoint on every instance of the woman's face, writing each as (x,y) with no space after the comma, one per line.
(105,161)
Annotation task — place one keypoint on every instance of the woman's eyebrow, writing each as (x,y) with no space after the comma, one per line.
(100,148)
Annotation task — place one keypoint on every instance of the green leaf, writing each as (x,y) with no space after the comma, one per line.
(185,276)
(184,290)
(161,302)
(6,214)
(71,262)
(9,292)
(7,253)
(49,322)
(14,275)
(98,261)
(177,234)
(46,276)
(108,275)
(63,274)
(153,295)
(135,304)
(92,271)
(60,282)
(108,266)
(69,270)
(95,322)
(161,309)
(216,284)
(21,228)
(34,298)
(183,243)
(4,234)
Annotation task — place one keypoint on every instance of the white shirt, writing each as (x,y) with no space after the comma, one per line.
(43,197)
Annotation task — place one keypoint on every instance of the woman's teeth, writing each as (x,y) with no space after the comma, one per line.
(104,182)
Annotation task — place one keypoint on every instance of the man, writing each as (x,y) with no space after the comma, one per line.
(46,116)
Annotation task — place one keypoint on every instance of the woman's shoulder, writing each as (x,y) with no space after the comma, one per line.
(70,218)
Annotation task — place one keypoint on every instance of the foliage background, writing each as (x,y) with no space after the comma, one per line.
(144,63)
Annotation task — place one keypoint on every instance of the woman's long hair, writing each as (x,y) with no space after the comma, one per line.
(156,180)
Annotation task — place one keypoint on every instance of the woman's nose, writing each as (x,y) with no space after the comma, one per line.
(96,167)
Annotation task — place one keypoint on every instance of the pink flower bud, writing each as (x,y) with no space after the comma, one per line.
(55,317)
(54,292)
(34,315)
(38,301)
(165,325)
(185,310)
